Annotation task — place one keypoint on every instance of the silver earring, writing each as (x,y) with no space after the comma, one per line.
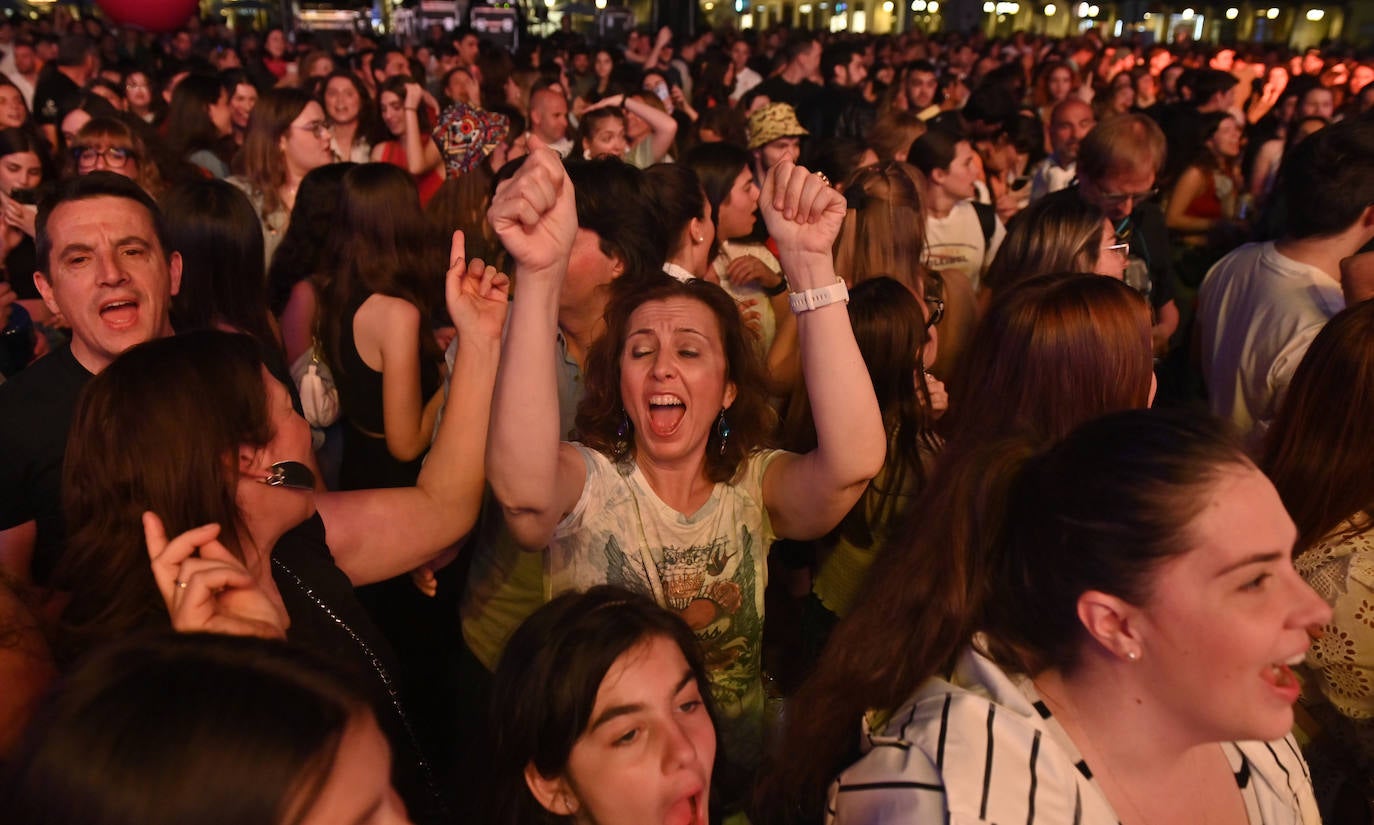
(1132,655)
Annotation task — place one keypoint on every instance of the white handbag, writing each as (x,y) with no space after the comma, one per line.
(319,395)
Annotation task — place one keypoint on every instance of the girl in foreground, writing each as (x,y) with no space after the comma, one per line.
(604,715)
(1121,613)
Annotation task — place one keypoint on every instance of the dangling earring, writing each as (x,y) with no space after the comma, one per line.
(621,435)
(723,430)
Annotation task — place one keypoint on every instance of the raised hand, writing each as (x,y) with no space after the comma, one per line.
(477,295)
(535,216)
(802,212)
(935,388)
(415,94)
(206,589)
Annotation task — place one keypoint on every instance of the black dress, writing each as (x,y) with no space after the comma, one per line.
(367,463)
(421,630)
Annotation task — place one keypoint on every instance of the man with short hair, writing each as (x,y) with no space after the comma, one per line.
(467,45)
(1317,101)
(25,74)
(961,234)
(845,71)
(921,87)
(549,119)
(104,267)
(1260,307)
(59,91)
(1118,166)
(389,62)
(1070,121)
(794,85)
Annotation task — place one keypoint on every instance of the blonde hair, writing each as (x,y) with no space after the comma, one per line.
(893,134)
(884,230)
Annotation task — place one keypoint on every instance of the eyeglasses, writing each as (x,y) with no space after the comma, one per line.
(318,128)
(115,157)
(935,299)
(937,310)
(1121,248)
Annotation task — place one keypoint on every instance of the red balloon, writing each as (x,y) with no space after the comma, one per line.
(149,15)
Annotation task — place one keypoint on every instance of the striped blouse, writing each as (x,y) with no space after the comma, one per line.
(984,748)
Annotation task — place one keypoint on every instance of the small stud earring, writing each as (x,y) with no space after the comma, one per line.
(1131,655)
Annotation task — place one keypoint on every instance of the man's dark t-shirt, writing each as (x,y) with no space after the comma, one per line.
(36,411)
(53,97)
(806,98)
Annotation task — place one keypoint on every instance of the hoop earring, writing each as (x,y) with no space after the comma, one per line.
(723,430)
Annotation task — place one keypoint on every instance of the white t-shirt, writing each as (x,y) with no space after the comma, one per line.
(983,748)
(956,241)
(763,305)
(1258,312)
(1048,176)
(710,567)
(745,79)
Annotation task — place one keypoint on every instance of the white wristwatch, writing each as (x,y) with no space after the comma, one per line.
(819,297)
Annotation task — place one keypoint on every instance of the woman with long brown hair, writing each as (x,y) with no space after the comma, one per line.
(378,286)
(1061,232)
(1035,652)
(408,145)
(894,330)
(884,233)
(288,135)
(187,452)
(1052,353)
(1318,454)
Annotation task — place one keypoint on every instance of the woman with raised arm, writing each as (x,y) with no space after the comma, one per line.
(189,452)
(408,122)
(646,149)
(672,494)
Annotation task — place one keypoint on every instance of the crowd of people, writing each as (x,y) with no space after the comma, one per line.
(771,427)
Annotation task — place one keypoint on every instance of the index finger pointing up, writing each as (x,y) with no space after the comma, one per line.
(458,251)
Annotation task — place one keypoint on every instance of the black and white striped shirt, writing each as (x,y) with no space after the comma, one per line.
(983,748)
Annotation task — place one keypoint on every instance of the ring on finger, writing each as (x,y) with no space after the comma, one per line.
(825,180)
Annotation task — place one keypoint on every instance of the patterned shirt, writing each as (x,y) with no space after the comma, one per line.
(710,567)
(466,135)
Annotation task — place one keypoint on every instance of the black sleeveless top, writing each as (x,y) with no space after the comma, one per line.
(367,463)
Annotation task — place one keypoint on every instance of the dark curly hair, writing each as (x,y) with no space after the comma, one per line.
(601,414)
